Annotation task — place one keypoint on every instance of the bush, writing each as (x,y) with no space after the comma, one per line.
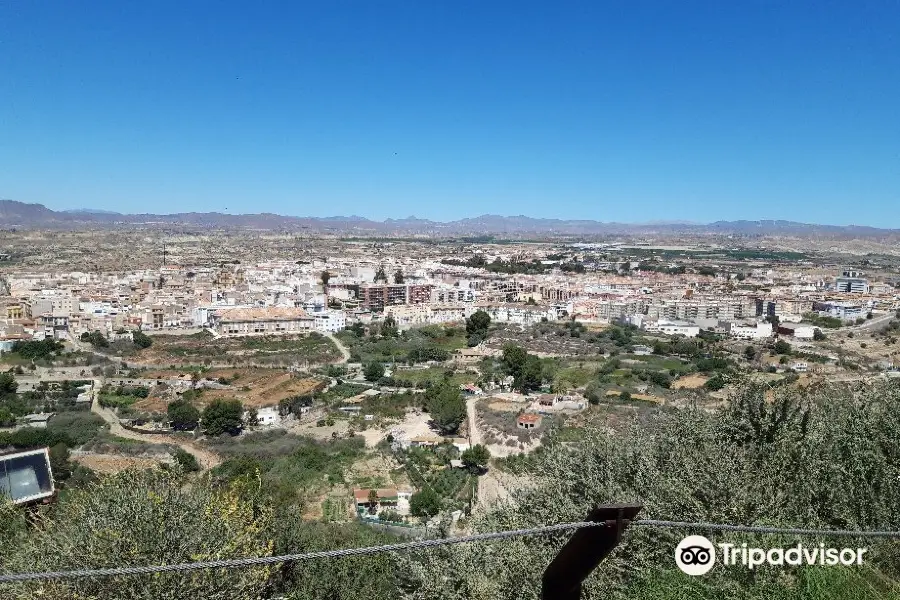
(183,416)
(186,460)
(223,416)
(715,383)
(177,524)
(373,371)
(425,504)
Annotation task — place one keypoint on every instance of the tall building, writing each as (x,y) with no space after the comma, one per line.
(852,282)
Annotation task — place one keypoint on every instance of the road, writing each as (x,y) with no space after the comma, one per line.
(207,459)
(345,353)
(872,323)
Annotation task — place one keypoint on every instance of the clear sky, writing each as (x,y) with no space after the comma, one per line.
(618,111)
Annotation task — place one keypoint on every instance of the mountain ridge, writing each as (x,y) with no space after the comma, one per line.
(33,215)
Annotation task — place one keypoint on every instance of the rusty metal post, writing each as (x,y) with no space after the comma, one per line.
(585,550)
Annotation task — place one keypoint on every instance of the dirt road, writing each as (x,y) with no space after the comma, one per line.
(207,459)
(345,353)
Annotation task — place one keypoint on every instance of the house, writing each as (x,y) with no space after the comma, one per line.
(37,420)
(425,441)
(528,421)
(548,400)
(261,321)
(268,416)
(800,367)
(396,500)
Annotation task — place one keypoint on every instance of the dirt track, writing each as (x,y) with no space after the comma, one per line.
(207,459)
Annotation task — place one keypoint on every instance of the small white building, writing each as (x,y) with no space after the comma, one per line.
(330,321)
(758,331)
(268,416)
(671,327)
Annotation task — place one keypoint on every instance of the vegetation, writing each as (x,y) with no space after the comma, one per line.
(476,458)
(186,460)
(425,504)
(183,416)
(412,346)
(95,339)
(36,350)
(373,371)
(223,416)
(823,321)
(525,368)
(477,327)
(800,460)
(445,405)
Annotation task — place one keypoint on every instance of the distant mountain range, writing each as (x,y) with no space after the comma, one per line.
(15,214)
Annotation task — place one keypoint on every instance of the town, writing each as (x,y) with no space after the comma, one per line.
(423,372)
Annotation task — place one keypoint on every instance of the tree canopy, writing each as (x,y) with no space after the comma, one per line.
(445,405)
(183,415)
(373,371)
(223,416)
(477,327)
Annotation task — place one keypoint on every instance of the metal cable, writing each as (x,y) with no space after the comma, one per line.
(499,535)
(267,560)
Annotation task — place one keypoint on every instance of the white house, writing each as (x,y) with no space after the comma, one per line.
(331,320)
(671,327)
(268,416)
(746,332)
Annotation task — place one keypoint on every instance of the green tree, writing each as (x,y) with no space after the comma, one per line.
(373,501)
(223,416)
(425,504)
(398,277)
(252,417)
(95,339)
(389,327)
(625,396)
(187,461)
(183,415)
(8,384)
(476,458)
(380,275)
(780,470)
(782,347)
(177,524)
(715,383)
(141,339)
(477,327)
(60,465)
(373,371)
(818,335)
(445,405)
(532,375)
(750,352)
(592,392)
(7,419)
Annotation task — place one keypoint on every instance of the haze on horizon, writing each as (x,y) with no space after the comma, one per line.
(659,112)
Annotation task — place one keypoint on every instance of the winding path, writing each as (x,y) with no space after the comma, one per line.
(207,459)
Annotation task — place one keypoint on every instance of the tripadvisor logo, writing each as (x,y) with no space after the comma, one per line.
(696,555)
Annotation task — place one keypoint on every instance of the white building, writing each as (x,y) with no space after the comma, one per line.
(261,321)
(331,321)
(667,327)
(758,331)
(268,416)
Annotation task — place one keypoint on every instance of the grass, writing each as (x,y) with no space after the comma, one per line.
(368,349)
(116,401)
(432,374)
(292,469)
(267,349)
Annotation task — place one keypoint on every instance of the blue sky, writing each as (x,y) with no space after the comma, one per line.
(619,111)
